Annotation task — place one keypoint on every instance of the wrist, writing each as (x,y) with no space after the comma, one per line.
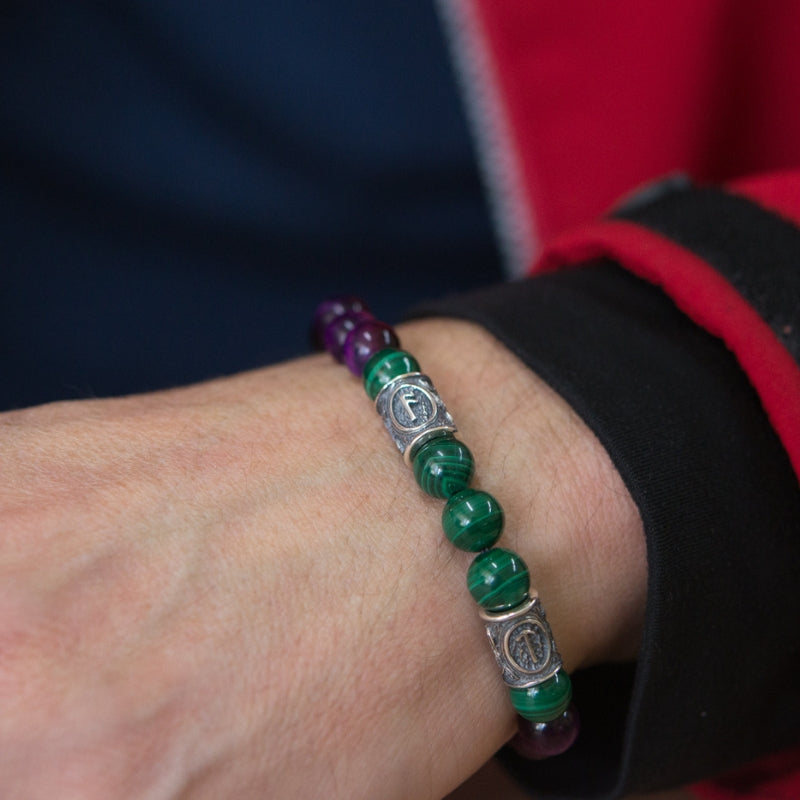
(571,512)
(567,511)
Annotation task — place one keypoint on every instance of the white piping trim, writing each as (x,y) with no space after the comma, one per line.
(514,221)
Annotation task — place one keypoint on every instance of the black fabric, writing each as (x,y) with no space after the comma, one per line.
(756,250)
(715,683)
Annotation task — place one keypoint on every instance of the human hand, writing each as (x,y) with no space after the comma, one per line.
(237,590)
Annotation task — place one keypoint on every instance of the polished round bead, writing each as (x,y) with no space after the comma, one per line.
(367,338)
(336,331)
(498,579)
(546,700)
(538,740)
(386,365)
(472,520)
(328,310)
(443,466)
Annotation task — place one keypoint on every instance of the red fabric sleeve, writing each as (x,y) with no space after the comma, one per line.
(775,777)
(601,97)
(705,296)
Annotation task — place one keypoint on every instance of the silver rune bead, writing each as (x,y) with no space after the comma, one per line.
(412,411)
(523,644)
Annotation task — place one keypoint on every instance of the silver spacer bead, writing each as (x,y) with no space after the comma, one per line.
(523,644)
(412,411)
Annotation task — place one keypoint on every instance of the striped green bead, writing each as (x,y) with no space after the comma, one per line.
(443,466)
(544,702)
(498,579)
(386,365)
(472,520)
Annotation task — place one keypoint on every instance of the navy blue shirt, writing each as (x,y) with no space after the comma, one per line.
(180,184)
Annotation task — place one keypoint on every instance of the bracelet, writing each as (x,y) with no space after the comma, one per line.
(498,579)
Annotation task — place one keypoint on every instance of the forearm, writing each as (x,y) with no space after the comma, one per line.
(238,587)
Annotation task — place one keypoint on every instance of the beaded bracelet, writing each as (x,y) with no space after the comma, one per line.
(498,579)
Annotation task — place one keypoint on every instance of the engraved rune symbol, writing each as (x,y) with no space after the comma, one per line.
(531,645)
(527,647)
(408,399)
(411,407)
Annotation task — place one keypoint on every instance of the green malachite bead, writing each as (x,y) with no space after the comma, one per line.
(546,701)
(443,466)
(386,365)
(472,520)
(498,579)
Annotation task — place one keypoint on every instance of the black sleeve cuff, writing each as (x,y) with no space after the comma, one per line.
(714,684)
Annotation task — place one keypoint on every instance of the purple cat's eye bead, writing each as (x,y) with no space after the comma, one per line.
(538,740)
(367,338)
(328,310)
(335,332)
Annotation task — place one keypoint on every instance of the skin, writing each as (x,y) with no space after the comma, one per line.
(236,589)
